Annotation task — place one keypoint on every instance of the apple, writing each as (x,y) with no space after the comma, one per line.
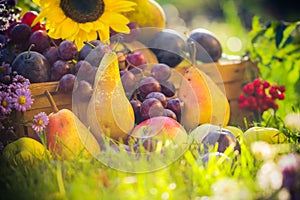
(266,134)
(160,129)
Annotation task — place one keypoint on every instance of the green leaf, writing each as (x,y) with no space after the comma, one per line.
(293,75)
(287,34)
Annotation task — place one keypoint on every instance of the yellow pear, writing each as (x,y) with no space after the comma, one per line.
(67,136)
(148,13)
(204,102)
(109,110)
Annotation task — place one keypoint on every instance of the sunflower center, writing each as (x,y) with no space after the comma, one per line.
(83,11)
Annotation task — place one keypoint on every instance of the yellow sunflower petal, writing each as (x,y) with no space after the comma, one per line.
(41,16)
(80,39)
(54,32)
(98,25)
(104,33)
(68,28)
(55,14)
(61,26)
(92,35)
(87,26)
(121,28)
(112,17)
(121,6)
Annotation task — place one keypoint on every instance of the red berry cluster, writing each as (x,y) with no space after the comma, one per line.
(260,95)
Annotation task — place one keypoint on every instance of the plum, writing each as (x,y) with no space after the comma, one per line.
(88,46)
(208,46)
(223,138)
(167,45)
(32,65)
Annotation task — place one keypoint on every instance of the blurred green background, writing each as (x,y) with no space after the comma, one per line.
(227,19)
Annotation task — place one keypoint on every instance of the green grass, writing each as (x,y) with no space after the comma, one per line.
(87,178)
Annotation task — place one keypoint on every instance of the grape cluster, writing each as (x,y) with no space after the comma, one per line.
(21,34)
(148,88)
(260,95)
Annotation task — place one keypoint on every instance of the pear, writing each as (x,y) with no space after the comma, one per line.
(147,13)
(24,150)
(67,136)
(109,110)
(204,102)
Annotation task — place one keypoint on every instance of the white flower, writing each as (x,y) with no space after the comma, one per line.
(229,188)
(262,150)
(292,121)
(269,177)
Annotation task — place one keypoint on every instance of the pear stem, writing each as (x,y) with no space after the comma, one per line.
(51,101)
(192,52)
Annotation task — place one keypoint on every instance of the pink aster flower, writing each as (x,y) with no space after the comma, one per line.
(22,99)
(5,103)
(39,122)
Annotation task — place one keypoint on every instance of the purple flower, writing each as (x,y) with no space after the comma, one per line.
(39,122)
(20,80)
(22,99)
(3,87)
(5,103)
(5,69)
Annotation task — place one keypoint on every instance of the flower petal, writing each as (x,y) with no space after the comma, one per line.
(68,28)
(104,33)
(121,6)
(112,17)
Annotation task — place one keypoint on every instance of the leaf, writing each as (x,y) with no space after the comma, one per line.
(287,34)
(293,75)
(279,34)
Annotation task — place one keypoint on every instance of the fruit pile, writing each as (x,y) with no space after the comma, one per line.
(125,87)
(124,82)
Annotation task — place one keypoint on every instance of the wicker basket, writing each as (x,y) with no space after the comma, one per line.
(230,76)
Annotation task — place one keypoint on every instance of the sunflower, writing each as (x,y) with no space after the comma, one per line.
(84,20)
